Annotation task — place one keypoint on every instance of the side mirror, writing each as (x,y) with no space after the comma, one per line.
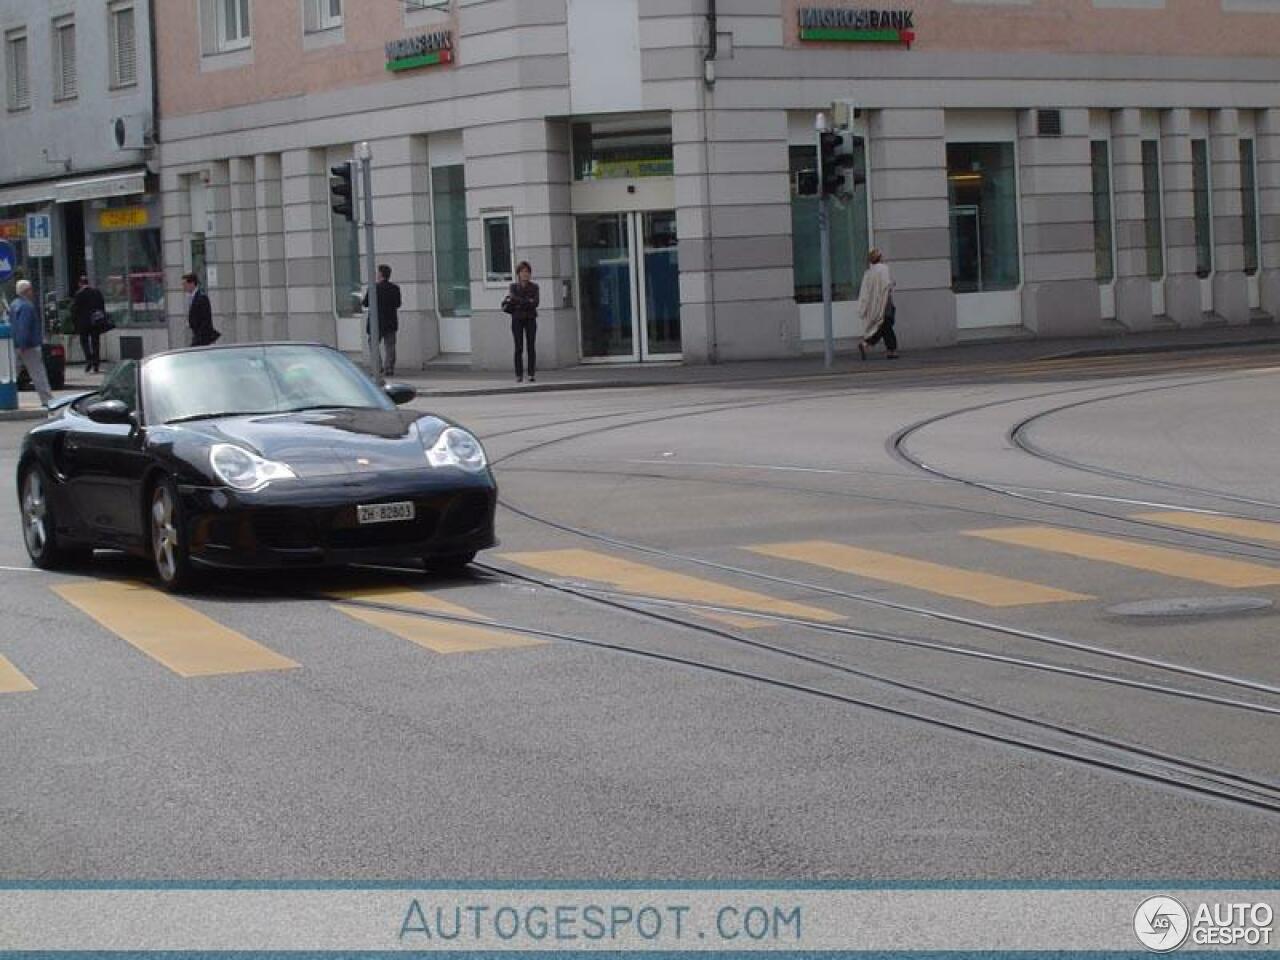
(109,411)
(400,392)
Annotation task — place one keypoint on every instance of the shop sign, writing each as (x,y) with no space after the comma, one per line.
(424,50)
(13,229)
(123,218)
(857,25)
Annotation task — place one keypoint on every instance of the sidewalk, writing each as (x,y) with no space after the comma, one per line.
(453,382)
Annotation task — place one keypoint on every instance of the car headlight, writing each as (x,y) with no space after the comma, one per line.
(457,448)
(243,470)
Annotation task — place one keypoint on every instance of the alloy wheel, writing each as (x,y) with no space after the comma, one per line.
(164,534)
(35,514)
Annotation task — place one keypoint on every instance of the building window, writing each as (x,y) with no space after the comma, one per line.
(129,268)
(1103,257)
(65,85)
(630,147)
(1151,208)
(982,189)
(1203,208)
(225,25)
(124,47)
(453,269)
(321,15)
(499,251)
(1249,206)
(848,230)
(18,80)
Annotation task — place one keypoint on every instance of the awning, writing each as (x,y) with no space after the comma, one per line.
(124,183)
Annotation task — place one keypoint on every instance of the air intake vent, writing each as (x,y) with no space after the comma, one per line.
(1049,123)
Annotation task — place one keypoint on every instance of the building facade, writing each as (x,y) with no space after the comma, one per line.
(76,193)
(1033,168)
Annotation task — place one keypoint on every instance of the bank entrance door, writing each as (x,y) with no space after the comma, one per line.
(629,286)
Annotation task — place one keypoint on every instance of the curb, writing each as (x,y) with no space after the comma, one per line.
(1162,348)
(547,388)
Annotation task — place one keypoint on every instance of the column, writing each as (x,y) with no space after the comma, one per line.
(175,212)
(1182,286)
(737,286)
(307,246)
(1268,160)
(1059,283)
(1133,281)
(910,220)
(244,252)
(1230,289)
(273,293)
(220,279)
(404,242)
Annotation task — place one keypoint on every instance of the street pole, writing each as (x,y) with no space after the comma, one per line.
(824,234)
(365,163)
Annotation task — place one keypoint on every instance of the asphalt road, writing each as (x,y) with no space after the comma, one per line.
(854,628)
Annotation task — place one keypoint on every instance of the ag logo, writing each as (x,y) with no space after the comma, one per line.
(1161,923)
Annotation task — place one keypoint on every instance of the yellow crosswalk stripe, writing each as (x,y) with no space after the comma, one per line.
(1232,526)
(12,679)
(439,636)
(641,579)
(169,632)
(1171,562)
(983,588)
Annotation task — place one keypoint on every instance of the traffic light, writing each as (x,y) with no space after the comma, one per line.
(340,187)
(838,172)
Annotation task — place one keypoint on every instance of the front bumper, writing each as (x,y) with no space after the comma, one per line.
(304,523)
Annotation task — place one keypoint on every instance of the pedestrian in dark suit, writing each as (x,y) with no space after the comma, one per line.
(522,303)
(89,312)
(388,317)
(199,313)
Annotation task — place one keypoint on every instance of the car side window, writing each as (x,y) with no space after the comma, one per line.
(121,385)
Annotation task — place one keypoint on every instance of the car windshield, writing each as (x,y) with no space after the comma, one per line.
(265,379)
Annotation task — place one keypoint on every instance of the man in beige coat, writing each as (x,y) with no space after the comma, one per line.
(875,306)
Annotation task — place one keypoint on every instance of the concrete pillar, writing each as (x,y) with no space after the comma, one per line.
(175,212)
(308,263)
(911,221)
(244,252)
(220,269)
(1059,283)
(1133,280)
(273,294)
(1268,160)
(1182,286)
(1230,289)
(737,284)
(404,242)
(522,166)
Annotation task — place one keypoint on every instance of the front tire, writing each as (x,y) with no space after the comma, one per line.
(39,524)
(450,565)
(168,538)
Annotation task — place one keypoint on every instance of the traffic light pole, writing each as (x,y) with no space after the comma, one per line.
(371,263)
(824,234)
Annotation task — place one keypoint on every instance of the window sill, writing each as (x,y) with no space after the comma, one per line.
(226,60)
(117,87)
(324,38)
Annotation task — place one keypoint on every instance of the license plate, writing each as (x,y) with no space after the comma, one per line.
(385,512)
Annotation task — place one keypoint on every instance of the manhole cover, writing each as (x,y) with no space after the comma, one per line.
(1190,607)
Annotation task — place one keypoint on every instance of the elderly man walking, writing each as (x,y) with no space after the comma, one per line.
(28,339)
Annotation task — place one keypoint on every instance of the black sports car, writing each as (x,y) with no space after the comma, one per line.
(263,456)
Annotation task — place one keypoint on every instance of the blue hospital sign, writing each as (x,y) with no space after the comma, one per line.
(39,235)
(8,260)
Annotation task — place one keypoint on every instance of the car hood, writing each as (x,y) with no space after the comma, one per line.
(326,443)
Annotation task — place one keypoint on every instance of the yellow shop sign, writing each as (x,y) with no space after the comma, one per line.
(122,218)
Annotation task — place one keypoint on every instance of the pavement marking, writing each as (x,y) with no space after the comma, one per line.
(644,580)
(1184,564)
(169,632)
(1214,523)
(983,588)
(439,636)
(12,680)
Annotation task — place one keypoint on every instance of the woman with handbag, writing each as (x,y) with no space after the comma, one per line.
(522,303)
(875,306)
(89,313)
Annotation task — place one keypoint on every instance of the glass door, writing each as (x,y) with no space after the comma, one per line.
(629,305)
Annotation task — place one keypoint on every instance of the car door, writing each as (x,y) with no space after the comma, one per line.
(105,463)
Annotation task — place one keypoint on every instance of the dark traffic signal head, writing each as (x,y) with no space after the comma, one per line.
(340,187)
(835,155)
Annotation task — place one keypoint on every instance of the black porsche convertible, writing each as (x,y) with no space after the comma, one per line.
(262,456)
